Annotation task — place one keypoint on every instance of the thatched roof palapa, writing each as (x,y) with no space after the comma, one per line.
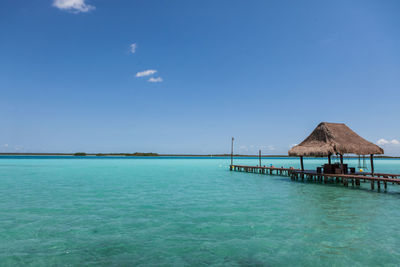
(334,138)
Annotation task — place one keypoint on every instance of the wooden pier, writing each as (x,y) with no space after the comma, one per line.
(380,179)
(327,140)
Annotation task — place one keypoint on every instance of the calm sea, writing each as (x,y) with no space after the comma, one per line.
(70,211)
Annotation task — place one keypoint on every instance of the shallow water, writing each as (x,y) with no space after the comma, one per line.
(189,211)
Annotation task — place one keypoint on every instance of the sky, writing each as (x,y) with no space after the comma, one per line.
(185,76)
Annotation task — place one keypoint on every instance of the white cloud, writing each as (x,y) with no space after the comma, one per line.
(382,142)
(392,148)
(5,145)
(292,145)
(133,48)
(73,5)
(155,80)
(395,142)
(145,73)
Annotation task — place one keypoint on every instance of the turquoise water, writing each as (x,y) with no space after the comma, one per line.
(70,211)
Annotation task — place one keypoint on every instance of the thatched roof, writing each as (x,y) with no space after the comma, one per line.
(334,138)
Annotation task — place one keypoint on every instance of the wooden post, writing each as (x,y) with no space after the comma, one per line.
(301,163)
(302,167)
(372,164)
(259,156)
(341,163)
(232,151)
(329,159)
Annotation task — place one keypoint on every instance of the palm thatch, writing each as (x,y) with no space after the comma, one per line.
(334,138)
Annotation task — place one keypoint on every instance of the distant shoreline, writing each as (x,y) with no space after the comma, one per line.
(164,155)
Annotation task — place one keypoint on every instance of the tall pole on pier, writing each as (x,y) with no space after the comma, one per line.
(232,151)
(341,163)
(372,163)
(259,156)
(301,163)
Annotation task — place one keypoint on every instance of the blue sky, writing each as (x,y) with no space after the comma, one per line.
(199,72)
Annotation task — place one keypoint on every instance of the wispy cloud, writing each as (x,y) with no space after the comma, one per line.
(133,48)
(253,149)
(391,147)
(145,73)
(395,142)
(155,80)
(4,147)
(263,147)
(382,142)
(18,147)
(244,148)
(73,5)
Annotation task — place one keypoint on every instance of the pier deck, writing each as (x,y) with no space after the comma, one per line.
(311,175)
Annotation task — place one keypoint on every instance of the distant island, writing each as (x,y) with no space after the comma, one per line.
(136,154)
(152,154)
